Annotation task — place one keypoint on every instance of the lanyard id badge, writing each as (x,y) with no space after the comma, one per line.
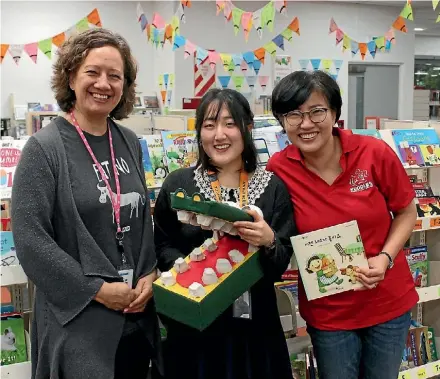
(125,271)
(242,307)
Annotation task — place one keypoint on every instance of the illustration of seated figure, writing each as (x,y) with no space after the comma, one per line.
(325,268)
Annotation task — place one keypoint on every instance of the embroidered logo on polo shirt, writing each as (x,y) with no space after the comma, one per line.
(359,181)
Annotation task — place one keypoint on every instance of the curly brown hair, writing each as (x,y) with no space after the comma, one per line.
(72,54)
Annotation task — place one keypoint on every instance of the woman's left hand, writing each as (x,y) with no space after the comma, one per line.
(371,276)
(144,292)
(257,233)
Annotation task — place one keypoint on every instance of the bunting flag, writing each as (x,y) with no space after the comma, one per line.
(331,66)
(251,80)
(224,80)
(244,20)
(435,3)
(238,81)
(92,20)
(303,63)
(263,80)
(316,63)
(377,44)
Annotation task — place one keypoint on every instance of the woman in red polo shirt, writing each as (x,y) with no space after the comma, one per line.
(333,177)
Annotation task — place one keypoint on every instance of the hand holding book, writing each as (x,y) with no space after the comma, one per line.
(371,276)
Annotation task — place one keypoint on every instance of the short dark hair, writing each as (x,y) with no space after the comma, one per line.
(72,54)
(293,90)
(210,106)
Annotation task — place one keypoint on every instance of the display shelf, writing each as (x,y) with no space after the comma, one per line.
(12,275)
(429,293)
(427,223)
(17,371)
(422,372)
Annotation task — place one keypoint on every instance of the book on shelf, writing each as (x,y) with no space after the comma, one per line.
(13,340)
(328,258)
(180,148)
(10,152)
(417,258)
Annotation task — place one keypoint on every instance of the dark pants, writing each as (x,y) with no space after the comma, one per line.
(370,353)
(133,357)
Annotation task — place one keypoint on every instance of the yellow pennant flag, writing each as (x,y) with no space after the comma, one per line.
(346,42)
(407,12)
(435,3)
(438,18)
(327,64)
(226,60)
(160,81)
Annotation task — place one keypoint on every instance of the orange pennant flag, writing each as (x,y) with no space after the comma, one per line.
(164,96)
(363,49)
(4,50)
(59,39)
(186,3)
(93,18)
(400,25)
(169,33)
(260,54)
(294,25)
(148,31)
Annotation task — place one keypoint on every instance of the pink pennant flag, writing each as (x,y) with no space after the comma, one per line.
(246,22)
(158,21)
(220,4)
(32,50)
(190,48)
(244,66)
(333,26)
(390,36)
(339,36)
(213,58)
(263,80)
(227,10)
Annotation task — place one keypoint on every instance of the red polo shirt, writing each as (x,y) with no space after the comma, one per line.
(373,182)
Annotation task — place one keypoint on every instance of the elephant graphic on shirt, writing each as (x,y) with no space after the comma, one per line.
(132,199)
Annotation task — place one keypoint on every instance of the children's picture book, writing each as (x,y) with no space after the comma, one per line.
(328,259)
(157,158)
(7,248)
(283,140)
(431,154)
(417,258)
(148,168)
(13,341)
(10,152)
(180,148)
(367,132)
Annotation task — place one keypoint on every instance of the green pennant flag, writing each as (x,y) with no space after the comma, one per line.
(238,81)
(171,81)
(82,25)
(287,34)
(271,48)
(407,12)
(46,47)
(380,43)
(268,16)
(438,18)
(236,19)
(175,23)
(231,66)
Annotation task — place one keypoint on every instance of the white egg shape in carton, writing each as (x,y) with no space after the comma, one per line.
(197,255)
(167,279)
(236,256)
(196,290)
(184,216)
(223,266)
(203,220)
(180,265)
(209,245)
(209,276)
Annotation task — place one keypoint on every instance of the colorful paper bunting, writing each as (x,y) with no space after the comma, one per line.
(263,80)
(435,4)
(338,64)
(237,59)
(363,49)
(201,55)
(260,54)
(256,20)
(354,47)
(251,80)
(294,26)
(315,63)
(244,66)
(287,34)
(246,22)
(236,19)
(400,25)
(249,57)
(213,57)
(166,78)
(333,27)
(372,48)
(279,41)
(346,42)
(326,64)
(16,51)
(94,19)
(32,50)
(226,60)
(238,81)
(82,25)
(407,12)
(224,80)
(190,48)
(179,41)
(438,19)
(3,50)
(257,66)
(271,48)
(268,16)
(330,66)
(158,22)
(304,63)
(46,47)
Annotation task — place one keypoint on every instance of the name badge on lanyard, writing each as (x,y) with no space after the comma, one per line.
(125,271)
(242,307)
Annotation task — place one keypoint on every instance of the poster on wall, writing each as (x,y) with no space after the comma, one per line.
(282,67)
(204,76)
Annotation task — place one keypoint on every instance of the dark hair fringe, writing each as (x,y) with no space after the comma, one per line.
(210,106)
(72,54)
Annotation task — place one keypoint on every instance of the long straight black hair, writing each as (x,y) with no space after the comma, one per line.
(210,107)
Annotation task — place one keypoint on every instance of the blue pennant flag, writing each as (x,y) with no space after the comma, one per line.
(315,63)
(224,80)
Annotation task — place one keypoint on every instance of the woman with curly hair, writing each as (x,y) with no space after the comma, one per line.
(82,224)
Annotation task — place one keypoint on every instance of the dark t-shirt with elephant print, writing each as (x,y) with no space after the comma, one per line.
(91,195)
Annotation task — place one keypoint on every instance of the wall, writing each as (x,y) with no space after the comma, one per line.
(24,22)
(425,45)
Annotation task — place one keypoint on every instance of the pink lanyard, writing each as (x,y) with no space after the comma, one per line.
(116,203)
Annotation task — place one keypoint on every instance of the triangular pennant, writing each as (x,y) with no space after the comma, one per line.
(271,48)
(166,78)
(387,45)
(71,32)
(158,22)
(219,4)
(46,47)
(3,50)
(281,6)
(333,27)
(372,48)
(201,56)
(94,19)
(175,24)
(139,11)
(236,19)
(346,42)
(435,4)
(390,36)
(190,48)
(213,57)
(257,22)
(251,80)
(16,51)
(237,59)
(169,33)
(260,54)
(227,10)
(171,83)
(82,25)
(326,64)
(363,49)
(59,39)
(257,66)
(160,81)
(186,3)
(181,14)
(304,64)
(148,31)
(238,81)
(224,80)
(339,36)
(164,96)
(226,60)
(316,63)
(407,12)
(246,22)
(249,57)
(244,66)
(338,64)
(179,41)
(400,25)
(354,47)
(169,95)
(287,34)
(268,16)
(231,67)
(143,21)
(32,50)
(438,19)
(263,80)
(380,43)
(279,41)
(294,26)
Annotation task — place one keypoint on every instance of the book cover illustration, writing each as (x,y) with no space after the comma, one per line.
(428,206)
(7,248)
(431,154)
(328,259)
(13,341)
(367,132)
(10,152)
(410,155)
(181,150)
(283,140)
(157,158)
(417,258)
(148,168)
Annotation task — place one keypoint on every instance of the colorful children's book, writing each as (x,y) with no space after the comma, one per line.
(431,154)
(13,341)
(180,148)
(157,158)
(417,258)
(328,259)
(8,253)
(148,168)
(283,140)
(10,152)
(367,132)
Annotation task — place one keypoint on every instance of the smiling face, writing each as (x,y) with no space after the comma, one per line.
(99,81)
(311,136)
(315,265)
(221,138)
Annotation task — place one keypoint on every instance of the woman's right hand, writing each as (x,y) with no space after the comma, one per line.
(116,296)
